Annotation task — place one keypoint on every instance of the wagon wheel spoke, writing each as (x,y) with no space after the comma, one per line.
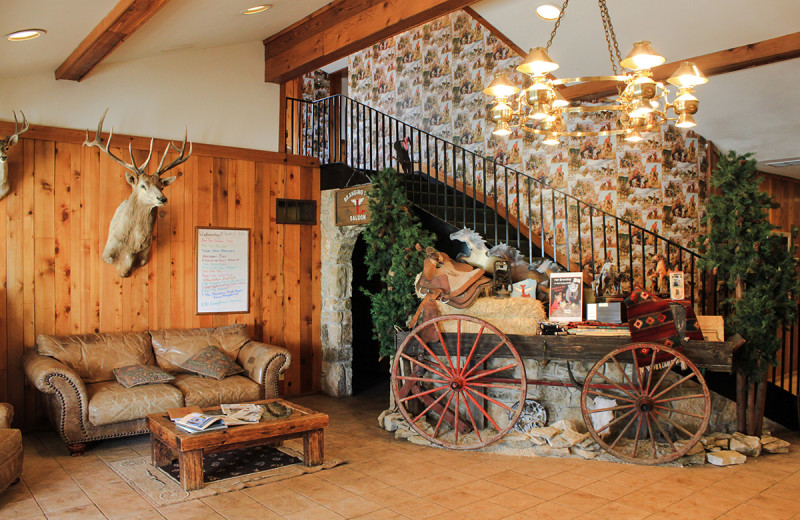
(426,367)
(650,375)
(490,372)
(666,371)
(483,360)
(624,374)
(616,385)
(636,439)
(673,385)
(458,347)
(458,396)
(675,410)
(664,433)
(652,437)
(426,392)
(431,354)
(495,401)
(636,371)
(426,410)
(680,398)
(615,421)
(472,419)
(673,423)
(601,394)
(472,350)
(441,416)
(610,408)
(444,347)
(622,432)
(481,408)
(421,379)
(478,384)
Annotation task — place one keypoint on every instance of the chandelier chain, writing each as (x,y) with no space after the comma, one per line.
(557,24)
(611,36)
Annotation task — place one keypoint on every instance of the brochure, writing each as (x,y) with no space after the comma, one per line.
(200,422)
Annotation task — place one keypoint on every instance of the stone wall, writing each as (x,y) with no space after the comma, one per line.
(337,289)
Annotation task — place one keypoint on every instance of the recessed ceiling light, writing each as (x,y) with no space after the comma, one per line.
(548,11)
(25,34)
(257,9)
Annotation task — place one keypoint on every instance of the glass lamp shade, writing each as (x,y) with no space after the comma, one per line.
(559,101)
(640,108)
(686,103)
(500,87)
(633,136)
(502,129)
(687,76)
(550,139)
(537,62)
(642,57)
(501,112)
(685,120)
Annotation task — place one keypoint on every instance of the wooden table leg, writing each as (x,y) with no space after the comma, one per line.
(191,469)
(313,447)
(160,454)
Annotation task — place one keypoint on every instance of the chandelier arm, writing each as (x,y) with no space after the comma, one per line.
(557,24)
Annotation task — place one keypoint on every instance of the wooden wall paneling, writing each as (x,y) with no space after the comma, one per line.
(259,261)
(243,216)
(189,183)
(204,208)
(44,236)
(28,279)
(90,215)
(292,289)
(223,188)
(316,289)
(4,361)
(75,236)
(14,277)
(275,319)
(113,191)
(63,240)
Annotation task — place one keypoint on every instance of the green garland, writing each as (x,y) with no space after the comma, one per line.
(396,243)
(740,248)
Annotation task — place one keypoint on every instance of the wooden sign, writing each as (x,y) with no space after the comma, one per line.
(222,270)
(352,207)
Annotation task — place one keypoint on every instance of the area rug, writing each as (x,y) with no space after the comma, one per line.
(222,473)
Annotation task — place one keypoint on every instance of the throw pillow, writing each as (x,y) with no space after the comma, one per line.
(135,375)
(211,362)
(650,319)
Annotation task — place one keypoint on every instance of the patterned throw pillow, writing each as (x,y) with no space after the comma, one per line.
(211,362)
(135,375)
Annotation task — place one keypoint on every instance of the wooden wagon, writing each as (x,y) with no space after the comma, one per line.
(643,403)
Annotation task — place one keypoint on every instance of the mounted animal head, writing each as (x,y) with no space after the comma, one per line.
(130,233)
(5,146)
(147,189)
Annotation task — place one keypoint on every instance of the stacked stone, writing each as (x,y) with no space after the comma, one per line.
(724,449)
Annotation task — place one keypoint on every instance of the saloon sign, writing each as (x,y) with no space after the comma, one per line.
(352,207)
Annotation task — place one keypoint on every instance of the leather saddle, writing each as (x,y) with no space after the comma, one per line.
(457,284)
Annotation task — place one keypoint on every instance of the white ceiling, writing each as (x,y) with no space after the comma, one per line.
(754,110)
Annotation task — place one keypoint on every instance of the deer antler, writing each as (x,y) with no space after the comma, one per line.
(17,131)
(182,157)
(98,142)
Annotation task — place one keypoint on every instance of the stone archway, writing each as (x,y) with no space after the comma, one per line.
(336,285)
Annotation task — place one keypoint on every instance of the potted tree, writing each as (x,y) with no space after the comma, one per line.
(755,270)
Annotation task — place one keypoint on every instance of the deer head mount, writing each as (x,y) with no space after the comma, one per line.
(5,146)
(130,233)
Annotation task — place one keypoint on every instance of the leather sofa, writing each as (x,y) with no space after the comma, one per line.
(85,403)
(10,448)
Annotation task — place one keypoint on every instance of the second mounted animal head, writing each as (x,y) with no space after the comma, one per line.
(147,189)
(5,146)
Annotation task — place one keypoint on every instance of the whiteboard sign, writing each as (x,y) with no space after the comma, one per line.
(223,270)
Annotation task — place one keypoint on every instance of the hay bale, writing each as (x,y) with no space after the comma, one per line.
(509,315)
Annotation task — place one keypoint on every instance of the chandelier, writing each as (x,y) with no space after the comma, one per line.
(641,103)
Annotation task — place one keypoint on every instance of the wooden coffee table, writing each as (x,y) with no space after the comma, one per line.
(282,420)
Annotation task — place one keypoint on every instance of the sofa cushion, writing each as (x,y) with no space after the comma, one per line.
(212,362)
(94,356)
(110,402)
(174,346)
(135,375)
(10,457)
(203,391)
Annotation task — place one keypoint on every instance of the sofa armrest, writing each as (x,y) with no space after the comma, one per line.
(50,376)
(263,364)
(6,415)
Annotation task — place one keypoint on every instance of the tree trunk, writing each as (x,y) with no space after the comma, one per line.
(741,401)
(761,403)
(751,408)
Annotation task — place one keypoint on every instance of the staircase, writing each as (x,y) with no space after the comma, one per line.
(464,189)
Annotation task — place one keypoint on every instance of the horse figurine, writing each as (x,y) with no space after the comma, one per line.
(477,251)
(608,280)
(659,277)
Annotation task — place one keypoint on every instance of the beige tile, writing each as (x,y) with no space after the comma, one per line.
(353,507)
(289,504)
(516,500)
(146,514)
(87,512)
(485,510)
(389,496)
(544,489)
(418,509)
(315,513)
(551,511)
(580,500)
(266,492)
(253,511)
(617,511)
(382,514)
(750,512)
(51,503)
(16,493)
(20,509)
(186,510)
(225,501)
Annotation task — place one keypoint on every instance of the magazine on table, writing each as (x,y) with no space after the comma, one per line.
(199,422)
(235,414)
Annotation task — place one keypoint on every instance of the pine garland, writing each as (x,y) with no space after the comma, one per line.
(743,253)
(396,243)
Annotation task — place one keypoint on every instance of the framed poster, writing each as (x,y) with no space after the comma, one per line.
(222,270)
(676,287)
(566,297)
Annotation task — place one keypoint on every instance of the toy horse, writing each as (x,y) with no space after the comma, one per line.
(477,251)
(660,275)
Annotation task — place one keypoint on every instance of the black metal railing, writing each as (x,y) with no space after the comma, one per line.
(506,205)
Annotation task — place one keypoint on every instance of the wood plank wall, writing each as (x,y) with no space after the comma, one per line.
(56,217)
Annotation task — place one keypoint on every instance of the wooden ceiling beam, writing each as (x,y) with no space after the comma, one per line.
(342,28)
(730,60)
(123,20)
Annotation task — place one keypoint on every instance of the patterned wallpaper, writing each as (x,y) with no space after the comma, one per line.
(432,77)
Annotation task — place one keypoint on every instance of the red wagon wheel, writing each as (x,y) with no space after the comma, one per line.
(446,385)
(646,403)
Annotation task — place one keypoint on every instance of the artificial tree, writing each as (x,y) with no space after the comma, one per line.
(396,243)
(756,270)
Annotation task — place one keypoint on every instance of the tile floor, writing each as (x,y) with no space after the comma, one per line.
(389,479)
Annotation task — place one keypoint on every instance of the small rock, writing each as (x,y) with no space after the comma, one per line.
(725,458)
(517,440)
(402,433)
(547,451)
(416,439)
(694,450)
(766,439)
(588,443)
(574,437)
(714,449)
(776,446)
(696,459)
(586,454)
(722,443)
(546,432)
(720,435)
(564,425)
(538,441)
(746,444)
(559,441)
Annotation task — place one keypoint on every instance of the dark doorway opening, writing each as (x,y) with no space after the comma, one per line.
(368,371)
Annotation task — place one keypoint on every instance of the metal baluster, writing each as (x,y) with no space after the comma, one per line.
(474,192)
(630,256)
(519,213)
(580,239)
(530,221)
(507,205)
(591,237)
(436,170)
(616,231)
(566,231)
(644,265)
(553,214)
(605,241)
(541,218)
